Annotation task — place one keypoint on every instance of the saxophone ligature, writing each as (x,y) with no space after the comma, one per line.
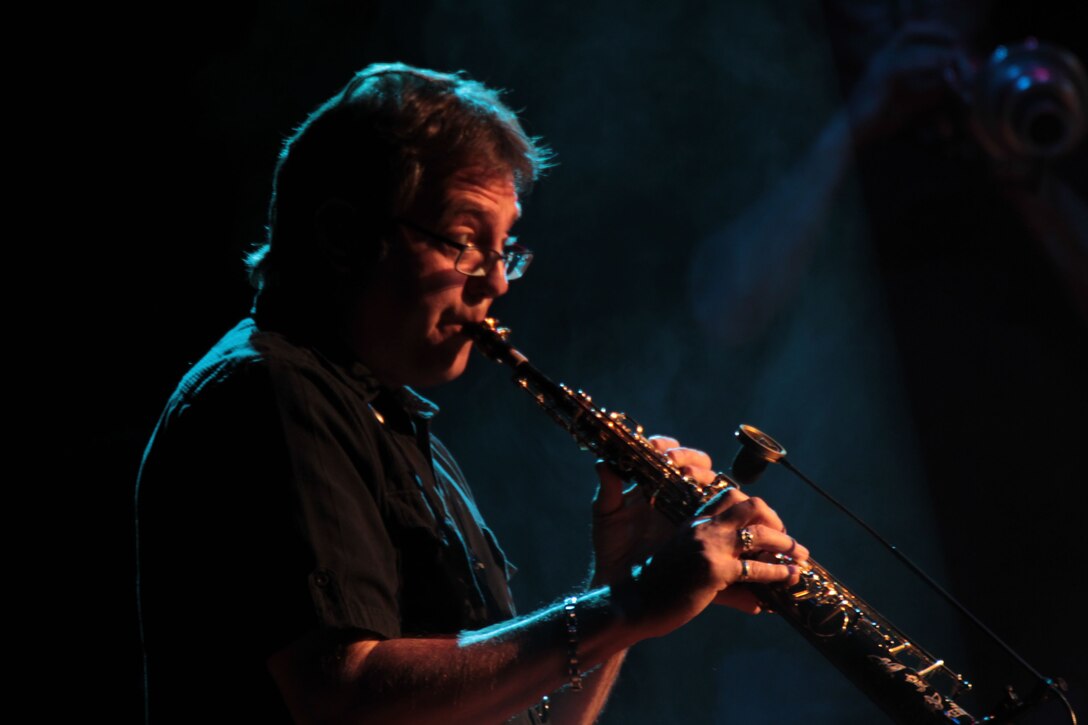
(908,683)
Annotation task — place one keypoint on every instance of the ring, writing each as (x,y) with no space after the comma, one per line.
(743,569)
(746,539)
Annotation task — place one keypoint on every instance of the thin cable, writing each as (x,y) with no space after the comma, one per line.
(1047,682)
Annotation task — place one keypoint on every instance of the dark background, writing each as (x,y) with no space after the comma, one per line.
(928,367)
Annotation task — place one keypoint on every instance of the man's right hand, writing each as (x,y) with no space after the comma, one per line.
(921,64)
(705,562)
(701,562)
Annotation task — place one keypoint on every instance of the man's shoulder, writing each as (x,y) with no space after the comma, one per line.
(251,383)
(252,358)
(241,355)
(257,379)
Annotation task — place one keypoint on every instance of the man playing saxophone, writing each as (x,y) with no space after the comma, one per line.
(308,551)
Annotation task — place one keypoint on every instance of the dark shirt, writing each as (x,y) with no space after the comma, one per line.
(284,491)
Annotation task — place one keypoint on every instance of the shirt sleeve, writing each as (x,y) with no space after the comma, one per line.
(256,522)
(338,488)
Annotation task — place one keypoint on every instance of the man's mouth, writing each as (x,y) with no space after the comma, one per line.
(459,324)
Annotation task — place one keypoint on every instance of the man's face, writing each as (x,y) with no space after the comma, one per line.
(407,323)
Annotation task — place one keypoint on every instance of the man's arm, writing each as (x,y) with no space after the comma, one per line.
(491,674)
(571,707)
(625,531)
(482,676)
(743,273)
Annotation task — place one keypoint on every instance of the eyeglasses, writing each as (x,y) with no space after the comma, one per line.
(476,261)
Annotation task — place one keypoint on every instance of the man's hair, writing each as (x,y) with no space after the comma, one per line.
(390,133)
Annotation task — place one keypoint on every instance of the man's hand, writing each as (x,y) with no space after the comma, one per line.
(921,64)
(625,529)
(492,673)
(707,562)
(695,564)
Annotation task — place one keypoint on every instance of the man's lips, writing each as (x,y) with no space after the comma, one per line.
(458,329)
(460,323)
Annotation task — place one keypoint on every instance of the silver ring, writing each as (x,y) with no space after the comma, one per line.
(743,569)
(746,539)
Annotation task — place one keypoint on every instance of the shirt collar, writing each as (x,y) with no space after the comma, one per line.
(329,345)
(416,404)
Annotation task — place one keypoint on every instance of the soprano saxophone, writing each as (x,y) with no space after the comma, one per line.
(912,686)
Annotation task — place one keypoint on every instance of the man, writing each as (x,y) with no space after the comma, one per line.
(307,550)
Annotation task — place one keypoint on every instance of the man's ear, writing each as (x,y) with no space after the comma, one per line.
(349,245)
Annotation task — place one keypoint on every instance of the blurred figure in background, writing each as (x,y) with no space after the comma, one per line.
(981,244)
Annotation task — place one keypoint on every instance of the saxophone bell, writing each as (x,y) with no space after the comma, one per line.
(757,449)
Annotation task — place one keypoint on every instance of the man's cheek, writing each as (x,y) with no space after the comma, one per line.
(440,280)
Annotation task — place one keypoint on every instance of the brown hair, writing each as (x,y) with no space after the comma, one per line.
(389,133)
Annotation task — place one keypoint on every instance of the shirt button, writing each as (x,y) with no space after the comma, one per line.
(479,565)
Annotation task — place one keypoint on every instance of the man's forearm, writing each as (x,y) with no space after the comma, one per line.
(491,674)
(569,707)
(481,676)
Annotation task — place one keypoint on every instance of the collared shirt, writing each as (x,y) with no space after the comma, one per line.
(285,490)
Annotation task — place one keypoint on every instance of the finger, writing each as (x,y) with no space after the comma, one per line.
(702,476)
(694,464)
(691,462)
(920,61)
(754,571)
(765,539)
(663,443)
(750,511)
(930,31)
(609,498)
(727,499)
(740,598)
(680,455)
(688,457)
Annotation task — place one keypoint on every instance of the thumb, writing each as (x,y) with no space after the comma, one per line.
(609,496)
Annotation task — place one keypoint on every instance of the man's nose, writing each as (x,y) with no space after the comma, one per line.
(494,283)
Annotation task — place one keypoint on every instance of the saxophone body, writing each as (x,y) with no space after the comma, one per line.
(912,686)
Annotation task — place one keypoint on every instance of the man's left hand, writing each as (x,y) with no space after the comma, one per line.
(626,529)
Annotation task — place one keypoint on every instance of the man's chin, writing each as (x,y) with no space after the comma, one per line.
(450,369)
(451,373)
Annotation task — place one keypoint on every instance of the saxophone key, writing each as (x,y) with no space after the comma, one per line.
(926,671)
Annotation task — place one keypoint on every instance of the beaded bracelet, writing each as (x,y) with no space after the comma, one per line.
(570,617)
(544,710)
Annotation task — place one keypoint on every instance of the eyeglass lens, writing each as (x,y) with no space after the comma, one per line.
(476,262)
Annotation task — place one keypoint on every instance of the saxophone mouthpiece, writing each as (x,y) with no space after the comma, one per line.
(486,329)
(490,339)
(492,325)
